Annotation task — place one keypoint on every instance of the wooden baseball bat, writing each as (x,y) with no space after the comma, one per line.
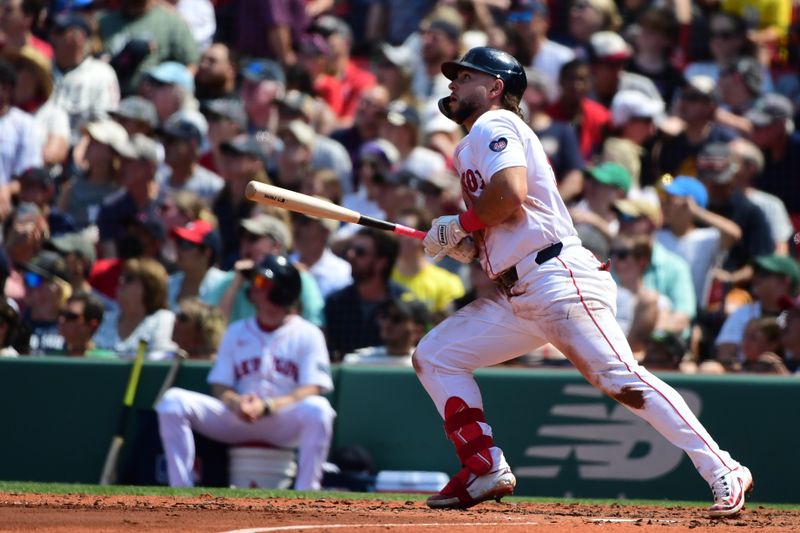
(308,205)
(109,474)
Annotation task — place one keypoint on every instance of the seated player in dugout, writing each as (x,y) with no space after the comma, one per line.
(549,289)
(267,384)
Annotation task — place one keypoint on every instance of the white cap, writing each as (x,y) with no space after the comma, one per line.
(427,165)
(302,132)
(108,132)
(634,104)
(434,121)
(399,56)
(609,46)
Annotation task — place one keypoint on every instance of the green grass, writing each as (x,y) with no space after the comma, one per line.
(64,488)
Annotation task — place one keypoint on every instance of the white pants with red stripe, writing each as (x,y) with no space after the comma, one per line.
(569,302)
(306,425)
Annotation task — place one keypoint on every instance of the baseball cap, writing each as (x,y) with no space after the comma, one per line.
(299,130)
(613,174)
(263,70)
(688,186)
(149,220)
(399,56)
(751,71)
(75,243)
(297,101)
(780,264)
(30,56)
(400,113)
(703,85)
(37,176)
(49,265)
(542,82)
(327,25)
(108,132)
(137,108)
(64,21)
(525,10)
(244,145)
(638,207)
(381,150)
(200,232)
(769,108)
(228,108)
(608,46)
(435,121)
(267,225)
(716,164)
(409,307)
(172,73)
(186,124)
(428,166)
(448,27)
(140,147)
(631,104)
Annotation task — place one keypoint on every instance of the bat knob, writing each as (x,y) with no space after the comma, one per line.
(250,191)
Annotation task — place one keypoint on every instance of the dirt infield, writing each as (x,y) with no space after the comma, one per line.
(78,513)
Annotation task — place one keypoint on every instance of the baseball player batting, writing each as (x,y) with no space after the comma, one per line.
(550,289)
(266,385)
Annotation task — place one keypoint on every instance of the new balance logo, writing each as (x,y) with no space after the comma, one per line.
(612,444)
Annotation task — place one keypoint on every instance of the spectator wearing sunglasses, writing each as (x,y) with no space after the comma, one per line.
(143,313)
(46,292)
(198,329)
(259,236)
(77,323)
(639,308)
(198,247)
(402,322)
(351,313)
(696,107)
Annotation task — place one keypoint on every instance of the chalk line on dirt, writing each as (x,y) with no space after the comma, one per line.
(386,525)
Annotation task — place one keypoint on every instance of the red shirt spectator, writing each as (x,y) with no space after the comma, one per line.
(589,124)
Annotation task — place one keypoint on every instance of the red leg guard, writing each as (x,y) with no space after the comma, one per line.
(462,428)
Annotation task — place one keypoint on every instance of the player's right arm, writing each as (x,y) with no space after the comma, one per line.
(503,196)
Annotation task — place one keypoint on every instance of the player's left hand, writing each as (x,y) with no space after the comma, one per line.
(445,234)
(465,251)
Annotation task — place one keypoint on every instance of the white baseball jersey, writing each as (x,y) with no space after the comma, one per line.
(270,364)
(499,139)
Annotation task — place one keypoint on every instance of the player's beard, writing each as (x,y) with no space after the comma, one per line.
(460,111)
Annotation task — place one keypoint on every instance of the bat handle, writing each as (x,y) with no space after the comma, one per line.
(405,231)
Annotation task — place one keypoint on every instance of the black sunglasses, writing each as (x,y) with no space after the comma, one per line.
(723,34)
(69,316)
(359,251)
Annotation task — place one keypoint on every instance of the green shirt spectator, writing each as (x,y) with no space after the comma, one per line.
(312,305)
(669,274)
(138,39)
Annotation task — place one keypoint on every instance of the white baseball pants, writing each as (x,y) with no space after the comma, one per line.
(306,425)
(570,302)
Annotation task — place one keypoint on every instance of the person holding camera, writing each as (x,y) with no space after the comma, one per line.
(260,236)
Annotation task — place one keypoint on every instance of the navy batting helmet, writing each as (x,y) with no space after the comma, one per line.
(277,275)
(493,62)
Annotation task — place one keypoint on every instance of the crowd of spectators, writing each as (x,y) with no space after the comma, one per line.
(129,130)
